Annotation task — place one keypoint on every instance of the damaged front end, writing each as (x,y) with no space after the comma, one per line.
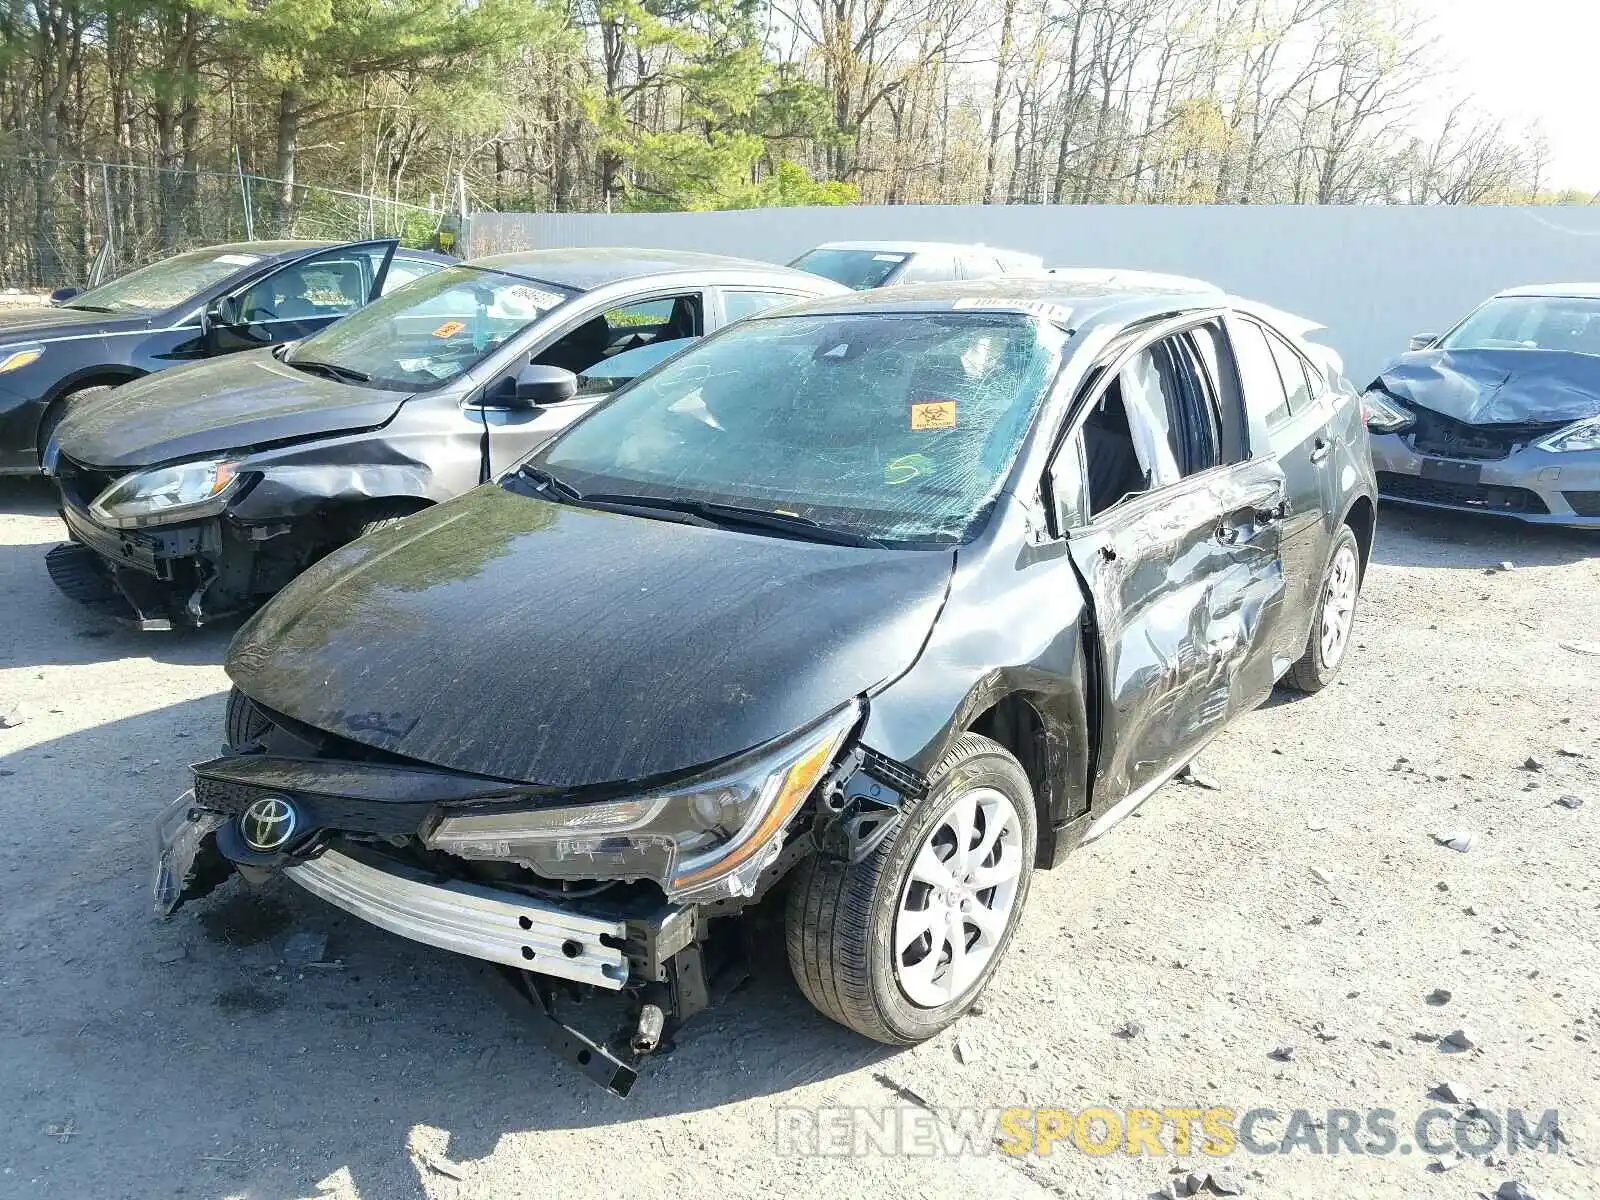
(186,563)
(565,895)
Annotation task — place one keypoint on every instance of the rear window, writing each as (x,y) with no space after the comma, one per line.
(858,269)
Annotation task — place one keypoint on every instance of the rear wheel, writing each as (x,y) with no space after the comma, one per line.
(900,945)
(1335,617)
(57,412)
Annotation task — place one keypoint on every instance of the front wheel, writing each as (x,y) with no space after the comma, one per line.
(900,945)
(1334,619)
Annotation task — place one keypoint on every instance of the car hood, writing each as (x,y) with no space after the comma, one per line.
(42,322)
(230,403)
(564,647)
(1498,387)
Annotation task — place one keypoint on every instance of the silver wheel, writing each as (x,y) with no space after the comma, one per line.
(1339,605)
(958,898)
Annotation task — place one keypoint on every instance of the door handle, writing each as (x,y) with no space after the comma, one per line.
(1320,449)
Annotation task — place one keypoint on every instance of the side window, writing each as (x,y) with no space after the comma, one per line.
(1155,423)
(327,285)
(624,328)
(930,267)
(1258,372)
(403,270)
(1292,370)
(736,306)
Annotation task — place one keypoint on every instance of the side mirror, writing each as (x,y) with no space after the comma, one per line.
(538,385)
(1422,341)
(62,294)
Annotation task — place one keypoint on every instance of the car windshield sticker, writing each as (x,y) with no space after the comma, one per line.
(534,296)
(933,414)
(238,260)
(449,329)
(1058,314)
(888,258)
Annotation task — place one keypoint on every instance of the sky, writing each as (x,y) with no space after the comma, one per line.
(1527,60)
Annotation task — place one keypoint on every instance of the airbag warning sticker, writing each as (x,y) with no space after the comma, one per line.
(448,329)
(934,414)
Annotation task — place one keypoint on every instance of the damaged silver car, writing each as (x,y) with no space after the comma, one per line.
(195,494)
(876,605)
(1501,414)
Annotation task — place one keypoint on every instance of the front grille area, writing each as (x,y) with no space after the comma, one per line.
(1585,504)
(1444,437)
(1488,497)
(342,813)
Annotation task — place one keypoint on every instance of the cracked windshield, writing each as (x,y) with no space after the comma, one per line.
(895,427)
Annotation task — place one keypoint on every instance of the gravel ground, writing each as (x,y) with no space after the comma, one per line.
(1303,902)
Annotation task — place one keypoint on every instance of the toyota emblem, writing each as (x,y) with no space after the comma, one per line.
(268,823)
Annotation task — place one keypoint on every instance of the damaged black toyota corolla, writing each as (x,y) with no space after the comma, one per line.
(891,598)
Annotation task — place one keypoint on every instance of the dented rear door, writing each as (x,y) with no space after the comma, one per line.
(1187,588)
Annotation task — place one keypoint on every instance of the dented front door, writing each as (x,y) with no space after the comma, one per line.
(1187,586)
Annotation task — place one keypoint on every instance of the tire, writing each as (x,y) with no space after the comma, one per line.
(841,922)
(244,723)
(56,413)
(1317,668)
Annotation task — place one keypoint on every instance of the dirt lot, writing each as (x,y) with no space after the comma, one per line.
(1304,902)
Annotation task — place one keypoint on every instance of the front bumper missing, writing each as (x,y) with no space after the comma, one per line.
(499,927)
(1531,485)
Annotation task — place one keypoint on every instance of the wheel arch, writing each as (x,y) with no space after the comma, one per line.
(1362,517)
(101,375)
(1044,742)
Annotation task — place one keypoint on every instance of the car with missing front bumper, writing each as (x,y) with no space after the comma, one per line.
(1500,415)
(194,495)
(874,605)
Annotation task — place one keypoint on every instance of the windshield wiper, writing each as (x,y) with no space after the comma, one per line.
(332,370)
(740,516)
(545,481)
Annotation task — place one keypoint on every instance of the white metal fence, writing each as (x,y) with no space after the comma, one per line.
(1373,275)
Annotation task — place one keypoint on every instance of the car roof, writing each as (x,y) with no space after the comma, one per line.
(1082,302)
(897,247)
(1586,291)
(583,268)
(280,246)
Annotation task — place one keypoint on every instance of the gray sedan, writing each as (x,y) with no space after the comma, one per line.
(199,493)
(1500,415)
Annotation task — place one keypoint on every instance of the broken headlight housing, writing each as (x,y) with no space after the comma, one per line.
(703,839)
(165,494)
(1382,414)
(1580,435)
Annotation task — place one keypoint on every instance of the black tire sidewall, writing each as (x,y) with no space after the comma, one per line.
(983,768)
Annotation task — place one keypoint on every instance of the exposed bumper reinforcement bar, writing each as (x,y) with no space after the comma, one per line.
(481,922)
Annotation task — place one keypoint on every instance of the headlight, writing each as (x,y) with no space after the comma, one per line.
(1382,414)
(196,489)
(1581,435)
(18,357)
(702,840)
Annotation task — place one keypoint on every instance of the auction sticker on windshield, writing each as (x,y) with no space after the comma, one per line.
(449,329)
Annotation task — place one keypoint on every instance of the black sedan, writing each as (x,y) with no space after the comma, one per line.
(1501,414)
(187,307)
(890,598)
(196,494)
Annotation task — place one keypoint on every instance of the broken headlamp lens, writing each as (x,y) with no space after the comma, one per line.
(1382,414)
(700,840)
(188,490)
(1581,435)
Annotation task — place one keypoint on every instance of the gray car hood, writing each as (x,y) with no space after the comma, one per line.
(559,646)
(1498,387)
(232,403)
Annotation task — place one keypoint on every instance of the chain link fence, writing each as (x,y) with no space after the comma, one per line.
(70,222)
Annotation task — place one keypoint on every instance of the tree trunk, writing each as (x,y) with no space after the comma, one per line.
(283,167)
(997,100)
